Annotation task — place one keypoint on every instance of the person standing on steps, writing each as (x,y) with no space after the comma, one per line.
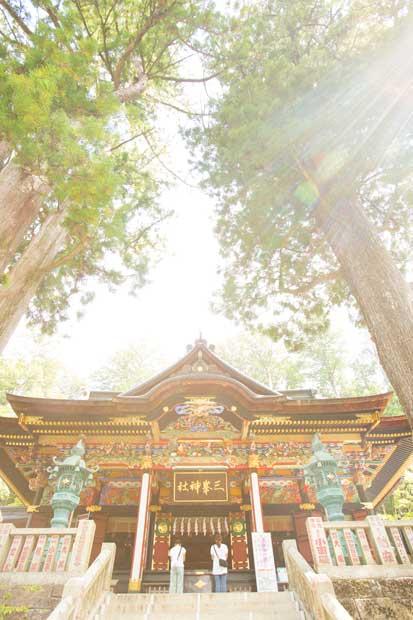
(219,556)
(177,555)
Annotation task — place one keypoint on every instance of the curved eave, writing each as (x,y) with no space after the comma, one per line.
(202,384)
(47,407)
(391,427)
(191,358)
(11,433)
(339,406)
(191,384)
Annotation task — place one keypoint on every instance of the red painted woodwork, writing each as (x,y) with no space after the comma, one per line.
(239,546)
(161,545)
(100,532)
(303,544)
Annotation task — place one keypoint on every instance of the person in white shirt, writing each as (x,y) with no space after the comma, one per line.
(176,578)
(219,556)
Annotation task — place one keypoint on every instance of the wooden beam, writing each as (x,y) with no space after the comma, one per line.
(15,479)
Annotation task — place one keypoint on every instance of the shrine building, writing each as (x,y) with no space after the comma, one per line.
(197,450)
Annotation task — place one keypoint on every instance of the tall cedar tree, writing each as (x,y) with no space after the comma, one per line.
(308,151)
(81,85)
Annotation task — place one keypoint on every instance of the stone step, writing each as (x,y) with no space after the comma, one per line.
(188,602)
(123,609)
(279,614)
(233,597)
(241,605)
(217,615)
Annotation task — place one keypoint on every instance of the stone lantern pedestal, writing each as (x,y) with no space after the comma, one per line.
(70,476)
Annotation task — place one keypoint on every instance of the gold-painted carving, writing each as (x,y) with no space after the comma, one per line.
(253,460)
(135,585)
(129,421)
(307,506)
(31,420)
(146,462)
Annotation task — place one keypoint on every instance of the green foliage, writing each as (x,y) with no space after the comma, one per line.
(399,505)
(6,610)
(328,364)
(261,359)
(40,375)
(64,71)
(299,101)
(12,610)
(128,367)
(7,497)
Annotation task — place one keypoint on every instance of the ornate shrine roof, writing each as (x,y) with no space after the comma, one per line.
(248,406)
(201,398)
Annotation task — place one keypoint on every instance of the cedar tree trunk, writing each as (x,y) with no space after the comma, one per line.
(379,288)
(28,273)
(21,196)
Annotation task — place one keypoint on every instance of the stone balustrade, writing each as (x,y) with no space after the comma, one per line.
(356,549)
(315,592)
(44,555)
(84,596)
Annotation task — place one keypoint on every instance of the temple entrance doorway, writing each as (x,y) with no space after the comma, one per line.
(198,551)
(198,534)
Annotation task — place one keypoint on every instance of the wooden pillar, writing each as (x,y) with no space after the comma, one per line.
(257,519)
(138,562)
(36,502)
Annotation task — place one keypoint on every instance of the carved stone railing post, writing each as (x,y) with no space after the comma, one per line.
(82,596)
(315,591)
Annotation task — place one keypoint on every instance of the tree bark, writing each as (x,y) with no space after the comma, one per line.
(379,288)
(126,94)
(28,273)
(21,196)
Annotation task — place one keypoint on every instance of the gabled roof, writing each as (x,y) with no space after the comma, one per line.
(201,359)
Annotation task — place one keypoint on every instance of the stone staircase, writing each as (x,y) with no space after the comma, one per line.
(237,605)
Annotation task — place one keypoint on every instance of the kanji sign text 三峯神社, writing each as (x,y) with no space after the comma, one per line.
(200,487)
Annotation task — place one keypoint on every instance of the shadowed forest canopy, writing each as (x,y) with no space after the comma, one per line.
(82,85)
(308,152)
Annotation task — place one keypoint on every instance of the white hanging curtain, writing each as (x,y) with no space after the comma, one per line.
(200,526)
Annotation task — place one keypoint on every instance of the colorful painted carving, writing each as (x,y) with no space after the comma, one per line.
(120,492)
(205,423)
(279,491)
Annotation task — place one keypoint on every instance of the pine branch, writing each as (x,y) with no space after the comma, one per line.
(49,10)
(138,135)
(171,78)
(19,21)
(66,257)
(154,18)
(174,174)
(321,279)
(177,108)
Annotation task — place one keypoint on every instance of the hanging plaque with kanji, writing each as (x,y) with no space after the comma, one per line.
(192,486)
